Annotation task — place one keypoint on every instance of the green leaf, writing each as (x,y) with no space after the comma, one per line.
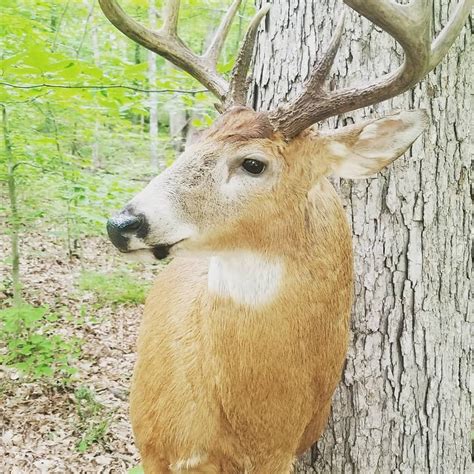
(136,470)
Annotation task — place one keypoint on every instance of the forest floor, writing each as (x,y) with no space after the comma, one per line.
(46,425)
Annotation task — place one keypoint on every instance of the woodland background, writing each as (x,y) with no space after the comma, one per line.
(88,117)
(77,100)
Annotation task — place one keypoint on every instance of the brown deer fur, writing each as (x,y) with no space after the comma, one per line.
(221,386)
(246,388)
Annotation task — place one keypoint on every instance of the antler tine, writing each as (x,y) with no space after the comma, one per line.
(449,33)
(214,50)
(238,83)
(166,43)
(410,25)
(322,68)
(171,14)
(313,89)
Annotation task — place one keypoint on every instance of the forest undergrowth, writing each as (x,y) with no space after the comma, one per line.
(74,420)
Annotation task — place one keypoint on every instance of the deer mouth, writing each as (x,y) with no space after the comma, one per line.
(162,251)
(154,252)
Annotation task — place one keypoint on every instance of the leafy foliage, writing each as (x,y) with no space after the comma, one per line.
(81,142)
(93,425)
(32,345)
(118,287)
(135,470)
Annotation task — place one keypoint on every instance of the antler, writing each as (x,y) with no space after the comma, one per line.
(167,43)
(238,87)
(410,25)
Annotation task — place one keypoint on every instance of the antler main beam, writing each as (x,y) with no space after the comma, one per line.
(167,44)
(410,25)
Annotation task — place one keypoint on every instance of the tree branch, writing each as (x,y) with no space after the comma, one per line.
(111,86)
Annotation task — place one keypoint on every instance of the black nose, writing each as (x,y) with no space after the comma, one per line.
(122,226)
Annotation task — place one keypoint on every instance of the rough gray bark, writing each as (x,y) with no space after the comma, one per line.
(404,402)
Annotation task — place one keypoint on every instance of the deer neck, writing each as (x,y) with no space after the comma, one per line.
(310,244)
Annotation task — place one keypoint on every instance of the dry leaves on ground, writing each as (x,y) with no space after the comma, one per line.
(43,422)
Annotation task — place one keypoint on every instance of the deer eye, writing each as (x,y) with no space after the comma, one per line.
(253,166)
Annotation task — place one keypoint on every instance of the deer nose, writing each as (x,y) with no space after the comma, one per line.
(122,226)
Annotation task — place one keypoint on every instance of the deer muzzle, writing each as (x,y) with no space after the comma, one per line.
(124,226)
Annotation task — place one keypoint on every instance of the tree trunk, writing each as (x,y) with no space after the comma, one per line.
(153,97)
(96,153)
(14,215)
(403,402)
(178,121)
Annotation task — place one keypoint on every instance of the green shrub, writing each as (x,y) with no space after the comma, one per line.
(28,343)
(118,287)
(136,470)
(93,422)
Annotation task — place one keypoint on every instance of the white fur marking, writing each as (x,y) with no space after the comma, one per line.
(246,277)
(190,463)
(369,131)
(378,144)
(349,165)
(339,149)
(166,226)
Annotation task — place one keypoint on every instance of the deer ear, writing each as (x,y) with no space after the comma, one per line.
(359,151)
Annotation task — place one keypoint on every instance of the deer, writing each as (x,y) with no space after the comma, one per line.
(245,332)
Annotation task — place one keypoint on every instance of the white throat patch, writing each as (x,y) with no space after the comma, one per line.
(246,277)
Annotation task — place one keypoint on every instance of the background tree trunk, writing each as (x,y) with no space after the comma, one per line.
(96,153)
(153,97)
(14,215)
(403,403)
(178,120)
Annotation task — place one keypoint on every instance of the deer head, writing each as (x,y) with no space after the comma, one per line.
(250,166)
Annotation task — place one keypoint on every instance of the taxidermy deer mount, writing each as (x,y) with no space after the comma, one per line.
(245,332)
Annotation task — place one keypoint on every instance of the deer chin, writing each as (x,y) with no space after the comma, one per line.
(162,251)
(152,253)
(140,255)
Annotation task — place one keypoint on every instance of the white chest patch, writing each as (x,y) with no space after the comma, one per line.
(246,277)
